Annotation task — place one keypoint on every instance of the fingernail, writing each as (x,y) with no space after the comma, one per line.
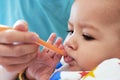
(20,22)
(35,37)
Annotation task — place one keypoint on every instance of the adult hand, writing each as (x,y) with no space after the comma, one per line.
(17,48)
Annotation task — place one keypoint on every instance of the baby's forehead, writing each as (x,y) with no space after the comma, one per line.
(102,10)
(108,5)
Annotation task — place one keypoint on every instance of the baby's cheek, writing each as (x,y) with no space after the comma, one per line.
(87,64)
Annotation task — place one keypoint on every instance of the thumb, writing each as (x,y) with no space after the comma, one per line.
(21,25)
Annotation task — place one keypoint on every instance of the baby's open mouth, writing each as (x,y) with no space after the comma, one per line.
(68,59)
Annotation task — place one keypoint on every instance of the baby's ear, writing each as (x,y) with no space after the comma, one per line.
(21,25)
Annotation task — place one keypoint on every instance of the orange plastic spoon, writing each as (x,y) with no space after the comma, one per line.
(39,42)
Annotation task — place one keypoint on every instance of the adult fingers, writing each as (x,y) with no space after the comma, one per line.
(16,68)
(10,36)
(17,60)
(17,50)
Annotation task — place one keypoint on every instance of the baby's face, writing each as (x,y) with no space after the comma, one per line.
(94,33)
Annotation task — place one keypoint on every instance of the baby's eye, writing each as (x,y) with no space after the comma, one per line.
(88,37)
(70,32)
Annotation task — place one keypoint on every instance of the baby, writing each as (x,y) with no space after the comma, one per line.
(93,35)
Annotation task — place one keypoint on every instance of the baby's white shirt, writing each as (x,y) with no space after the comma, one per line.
(107,70)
